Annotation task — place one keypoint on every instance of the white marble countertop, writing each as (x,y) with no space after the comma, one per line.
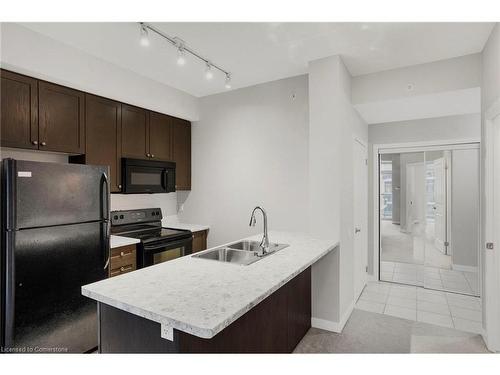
(202,297)
(118,241)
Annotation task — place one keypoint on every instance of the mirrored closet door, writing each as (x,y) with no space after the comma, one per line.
(429,218)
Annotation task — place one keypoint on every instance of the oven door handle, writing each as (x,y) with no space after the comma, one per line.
(173,244)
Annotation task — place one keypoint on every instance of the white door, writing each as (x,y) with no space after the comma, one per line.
(440,204)
(491,254)
(360,216)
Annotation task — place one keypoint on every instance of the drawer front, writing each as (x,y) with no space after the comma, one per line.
(121,270)
(123,259)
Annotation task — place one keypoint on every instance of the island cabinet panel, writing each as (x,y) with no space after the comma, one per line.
(18,111)
(160,136)
(181,153)
(61,119)
(103,137)
(275,325)
(135,132)
(299,308)
(122,332)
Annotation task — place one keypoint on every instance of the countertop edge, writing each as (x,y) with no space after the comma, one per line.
(194,330)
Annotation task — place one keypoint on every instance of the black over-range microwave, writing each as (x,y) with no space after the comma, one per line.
(147,176)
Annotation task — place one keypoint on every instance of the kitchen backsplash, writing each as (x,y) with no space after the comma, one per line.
(167,202)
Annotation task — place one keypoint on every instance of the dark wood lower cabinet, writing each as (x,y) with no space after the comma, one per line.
(199,241)
(275,325)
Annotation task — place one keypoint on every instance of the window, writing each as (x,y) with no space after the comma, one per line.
(386,189)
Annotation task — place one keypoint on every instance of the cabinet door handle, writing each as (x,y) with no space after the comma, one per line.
(43,143)
(122,254)
(152,155)
(119,186)
(35,142)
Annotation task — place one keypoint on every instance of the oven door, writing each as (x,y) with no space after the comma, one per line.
(141,176)
(159,252)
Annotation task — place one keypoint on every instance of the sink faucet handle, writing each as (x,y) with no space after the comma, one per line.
(252,221)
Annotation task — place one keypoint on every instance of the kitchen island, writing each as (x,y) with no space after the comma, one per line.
(197,305)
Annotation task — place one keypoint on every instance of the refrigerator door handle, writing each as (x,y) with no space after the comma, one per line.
(105,244)
(105,218)
(104,211)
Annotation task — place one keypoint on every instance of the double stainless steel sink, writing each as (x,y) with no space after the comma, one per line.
(242,252)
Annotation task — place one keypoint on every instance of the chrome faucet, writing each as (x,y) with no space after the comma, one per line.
(264,244)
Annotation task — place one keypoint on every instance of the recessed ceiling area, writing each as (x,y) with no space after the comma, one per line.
(260,52)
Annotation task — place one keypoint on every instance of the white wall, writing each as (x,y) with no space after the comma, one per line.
(442,88)
(490,88)
(446,75)
(27,52)
(250,148)
(426,130)
(333,125)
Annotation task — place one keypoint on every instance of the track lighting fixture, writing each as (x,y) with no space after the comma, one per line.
(144,35)
(182,51)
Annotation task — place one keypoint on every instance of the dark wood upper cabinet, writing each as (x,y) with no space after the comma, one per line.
(181,152)
(103,136)
(61,118)
(40,115)
(135,132)
(18,111)
(160,136)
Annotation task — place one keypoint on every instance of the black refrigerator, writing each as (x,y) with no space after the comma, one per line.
(55,238)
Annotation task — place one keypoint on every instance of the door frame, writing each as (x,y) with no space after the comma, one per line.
(364,144)
(391,148)
(491,275)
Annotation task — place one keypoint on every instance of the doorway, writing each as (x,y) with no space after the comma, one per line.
(429,218)
(360,215)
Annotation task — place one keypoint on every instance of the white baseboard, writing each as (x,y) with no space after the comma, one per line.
(329,325)
(459,267)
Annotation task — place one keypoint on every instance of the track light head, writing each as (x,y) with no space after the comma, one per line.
(181,56)
(208,72)
(228,81)
(144,36)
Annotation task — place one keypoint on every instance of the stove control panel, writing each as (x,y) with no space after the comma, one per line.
(136,216)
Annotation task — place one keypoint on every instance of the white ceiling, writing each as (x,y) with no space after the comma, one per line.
(261,52)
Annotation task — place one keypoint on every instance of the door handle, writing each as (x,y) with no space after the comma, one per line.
(357,230)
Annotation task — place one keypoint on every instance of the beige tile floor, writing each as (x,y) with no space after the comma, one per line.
(444,309)
(430,277)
